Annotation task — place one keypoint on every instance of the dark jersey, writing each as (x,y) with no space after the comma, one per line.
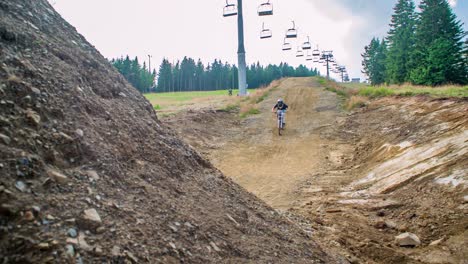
(280,106)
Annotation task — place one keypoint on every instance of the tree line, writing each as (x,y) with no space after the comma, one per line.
(188,75)
(136,74)
(425,48)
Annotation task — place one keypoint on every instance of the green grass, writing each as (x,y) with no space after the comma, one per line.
(350,89)
(252,111)
(374,92)
(157,107)
(230,108)
(187,96)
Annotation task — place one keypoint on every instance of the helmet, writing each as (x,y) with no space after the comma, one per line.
(280,100)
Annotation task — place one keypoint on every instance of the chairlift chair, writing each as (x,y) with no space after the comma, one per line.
(307,45)
(229,9)
(265,33)
(286,45)
(309,56)
(316,52)
(292,32)
(299,52)
(265,9)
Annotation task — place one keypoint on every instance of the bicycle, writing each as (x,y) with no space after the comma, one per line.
(280,120)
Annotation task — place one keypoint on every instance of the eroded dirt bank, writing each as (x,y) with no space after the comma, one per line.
(356,179)
(88,174)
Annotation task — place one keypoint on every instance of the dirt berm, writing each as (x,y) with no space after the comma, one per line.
(89,175)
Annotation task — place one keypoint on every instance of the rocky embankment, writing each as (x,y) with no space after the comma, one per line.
(88,173)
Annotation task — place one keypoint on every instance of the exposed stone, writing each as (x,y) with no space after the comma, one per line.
(43,246)
(57,176)
(70,249)
(90,219)
(28,216)
(391,224)
(93,175)
(36,209)
(100,230)
(72,241)
(65,137)
(79,133)
(72,232)
(36,91)
(21,186)
(115,251)
(132,258)
(5,139)
(82,242)
(436,242)
(98,250)
(33,117)
(214,246)
(407,240)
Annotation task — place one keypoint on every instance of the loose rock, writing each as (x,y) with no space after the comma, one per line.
(72,232)
(79,133)
(90,219)
(70,250)
(5,139)
(21,186)
(57,176)
(33,117)
(436,242)
(93,175)
(28,216)
(115,251)
(407,240)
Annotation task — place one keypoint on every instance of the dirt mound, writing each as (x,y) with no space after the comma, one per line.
(88,173)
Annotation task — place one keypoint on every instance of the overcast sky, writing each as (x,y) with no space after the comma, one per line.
(196,28)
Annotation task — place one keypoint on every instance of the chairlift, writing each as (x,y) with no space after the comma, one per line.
(265,33)
(309,56)
(316,60)
(286,45)
(292,32)
(316,52)
(307,45)
(229,9)
(265,9)
(299,52)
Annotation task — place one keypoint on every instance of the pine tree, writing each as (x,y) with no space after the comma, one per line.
(400,42)
(438,55)
(374,58)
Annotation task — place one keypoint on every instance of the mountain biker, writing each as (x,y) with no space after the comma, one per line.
(281,106)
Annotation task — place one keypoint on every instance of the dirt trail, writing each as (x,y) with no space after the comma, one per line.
(356,179)
(273,167)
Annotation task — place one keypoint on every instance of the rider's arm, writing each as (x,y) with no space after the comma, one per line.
(273,109)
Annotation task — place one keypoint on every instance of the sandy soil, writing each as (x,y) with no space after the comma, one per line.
(355,179)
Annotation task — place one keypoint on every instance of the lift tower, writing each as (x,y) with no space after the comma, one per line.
(241,51)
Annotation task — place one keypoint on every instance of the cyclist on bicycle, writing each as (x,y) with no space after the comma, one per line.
(281,106)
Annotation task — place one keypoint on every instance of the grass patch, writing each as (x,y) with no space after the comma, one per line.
(248,111)
(157,107)
(374,92)
(355,102)
(230,108)
(358,94)
(249,105)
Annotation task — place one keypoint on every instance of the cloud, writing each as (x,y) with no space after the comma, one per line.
(367,19)
(453,3)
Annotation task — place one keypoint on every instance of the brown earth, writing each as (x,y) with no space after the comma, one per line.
(88,174)
(357,179)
